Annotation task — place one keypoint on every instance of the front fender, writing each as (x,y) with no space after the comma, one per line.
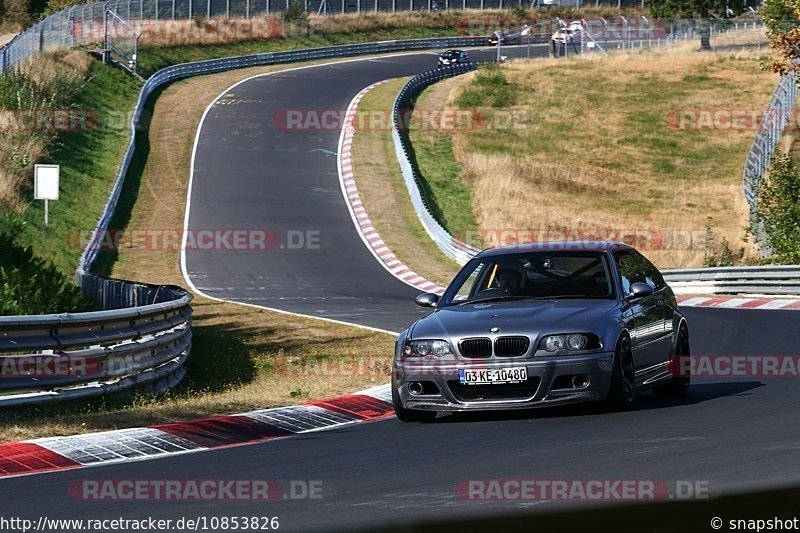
(610,327)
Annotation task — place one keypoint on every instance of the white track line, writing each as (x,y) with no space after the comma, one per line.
(184,271)
(369,235)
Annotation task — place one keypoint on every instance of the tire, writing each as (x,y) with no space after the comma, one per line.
(679,385)
(622,392)
(409,415)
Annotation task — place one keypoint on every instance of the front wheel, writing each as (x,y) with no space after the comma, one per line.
(622,391)
(409,415)
(679,385)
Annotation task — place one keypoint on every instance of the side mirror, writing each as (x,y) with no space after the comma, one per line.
(427,299)
(640,290)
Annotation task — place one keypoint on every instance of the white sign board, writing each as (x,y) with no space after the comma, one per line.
(45,182)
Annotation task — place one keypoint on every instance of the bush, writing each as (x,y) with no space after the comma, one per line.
(489,87)
(42,86)
(296,15)
(28,284)
(519,11)
(776,220)
(719,255)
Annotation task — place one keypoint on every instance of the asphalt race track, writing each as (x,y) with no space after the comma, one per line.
(732,434)
(251,173)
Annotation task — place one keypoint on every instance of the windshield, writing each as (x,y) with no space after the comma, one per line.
(532,275)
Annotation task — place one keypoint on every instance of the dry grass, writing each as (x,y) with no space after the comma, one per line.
(352,22)
(599,151)
(255,359)
(5,38)
(46,84)
(243,358)
(376,171)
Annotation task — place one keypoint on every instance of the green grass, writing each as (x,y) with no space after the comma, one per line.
(444,188)
(156,57)
(602,142)
(89,163)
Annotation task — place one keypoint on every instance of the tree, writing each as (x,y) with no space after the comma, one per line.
(700,10)
(776,218)
(782,18)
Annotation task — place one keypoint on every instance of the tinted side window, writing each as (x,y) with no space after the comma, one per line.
(630,270)
(651,274)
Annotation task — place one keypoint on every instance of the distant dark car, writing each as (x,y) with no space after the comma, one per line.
(506,37)
(453,57)
(542,324)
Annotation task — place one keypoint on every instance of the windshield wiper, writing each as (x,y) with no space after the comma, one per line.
(507,298)
(563,297)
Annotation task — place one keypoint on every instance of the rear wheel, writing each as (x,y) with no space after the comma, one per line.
(622,391)
(680,380)
(409,415)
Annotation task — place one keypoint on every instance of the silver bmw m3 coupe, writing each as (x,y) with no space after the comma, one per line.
(542,324)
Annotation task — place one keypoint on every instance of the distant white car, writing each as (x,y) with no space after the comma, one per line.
(567,35)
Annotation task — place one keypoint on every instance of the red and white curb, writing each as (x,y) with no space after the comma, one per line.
(359,214)
(735,302)
(135,444)
(385,257)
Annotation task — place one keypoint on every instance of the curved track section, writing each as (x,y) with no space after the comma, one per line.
(732,434)
(257,169)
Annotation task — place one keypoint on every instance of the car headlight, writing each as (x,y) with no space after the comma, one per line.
(425,348)
(573,342)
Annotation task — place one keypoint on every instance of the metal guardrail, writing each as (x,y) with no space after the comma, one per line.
(85,24)
(772,279)
(184,70)
(142,339)
(143,336)
(453,248)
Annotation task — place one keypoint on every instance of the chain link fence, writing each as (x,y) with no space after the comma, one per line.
(778,113)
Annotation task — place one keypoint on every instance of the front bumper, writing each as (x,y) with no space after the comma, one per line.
(547,377)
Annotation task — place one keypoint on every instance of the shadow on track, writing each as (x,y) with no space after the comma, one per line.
(698,393)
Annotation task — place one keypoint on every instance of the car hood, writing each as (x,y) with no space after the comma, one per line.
(530,317)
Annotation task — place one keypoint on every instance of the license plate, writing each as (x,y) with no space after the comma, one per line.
(492,376)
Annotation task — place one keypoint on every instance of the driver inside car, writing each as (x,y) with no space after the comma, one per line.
(509,280)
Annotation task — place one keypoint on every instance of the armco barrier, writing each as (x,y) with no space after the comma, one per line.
(143,336)
(453,248)
(142,339)
(176,72)
(769,280)
(772,279)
